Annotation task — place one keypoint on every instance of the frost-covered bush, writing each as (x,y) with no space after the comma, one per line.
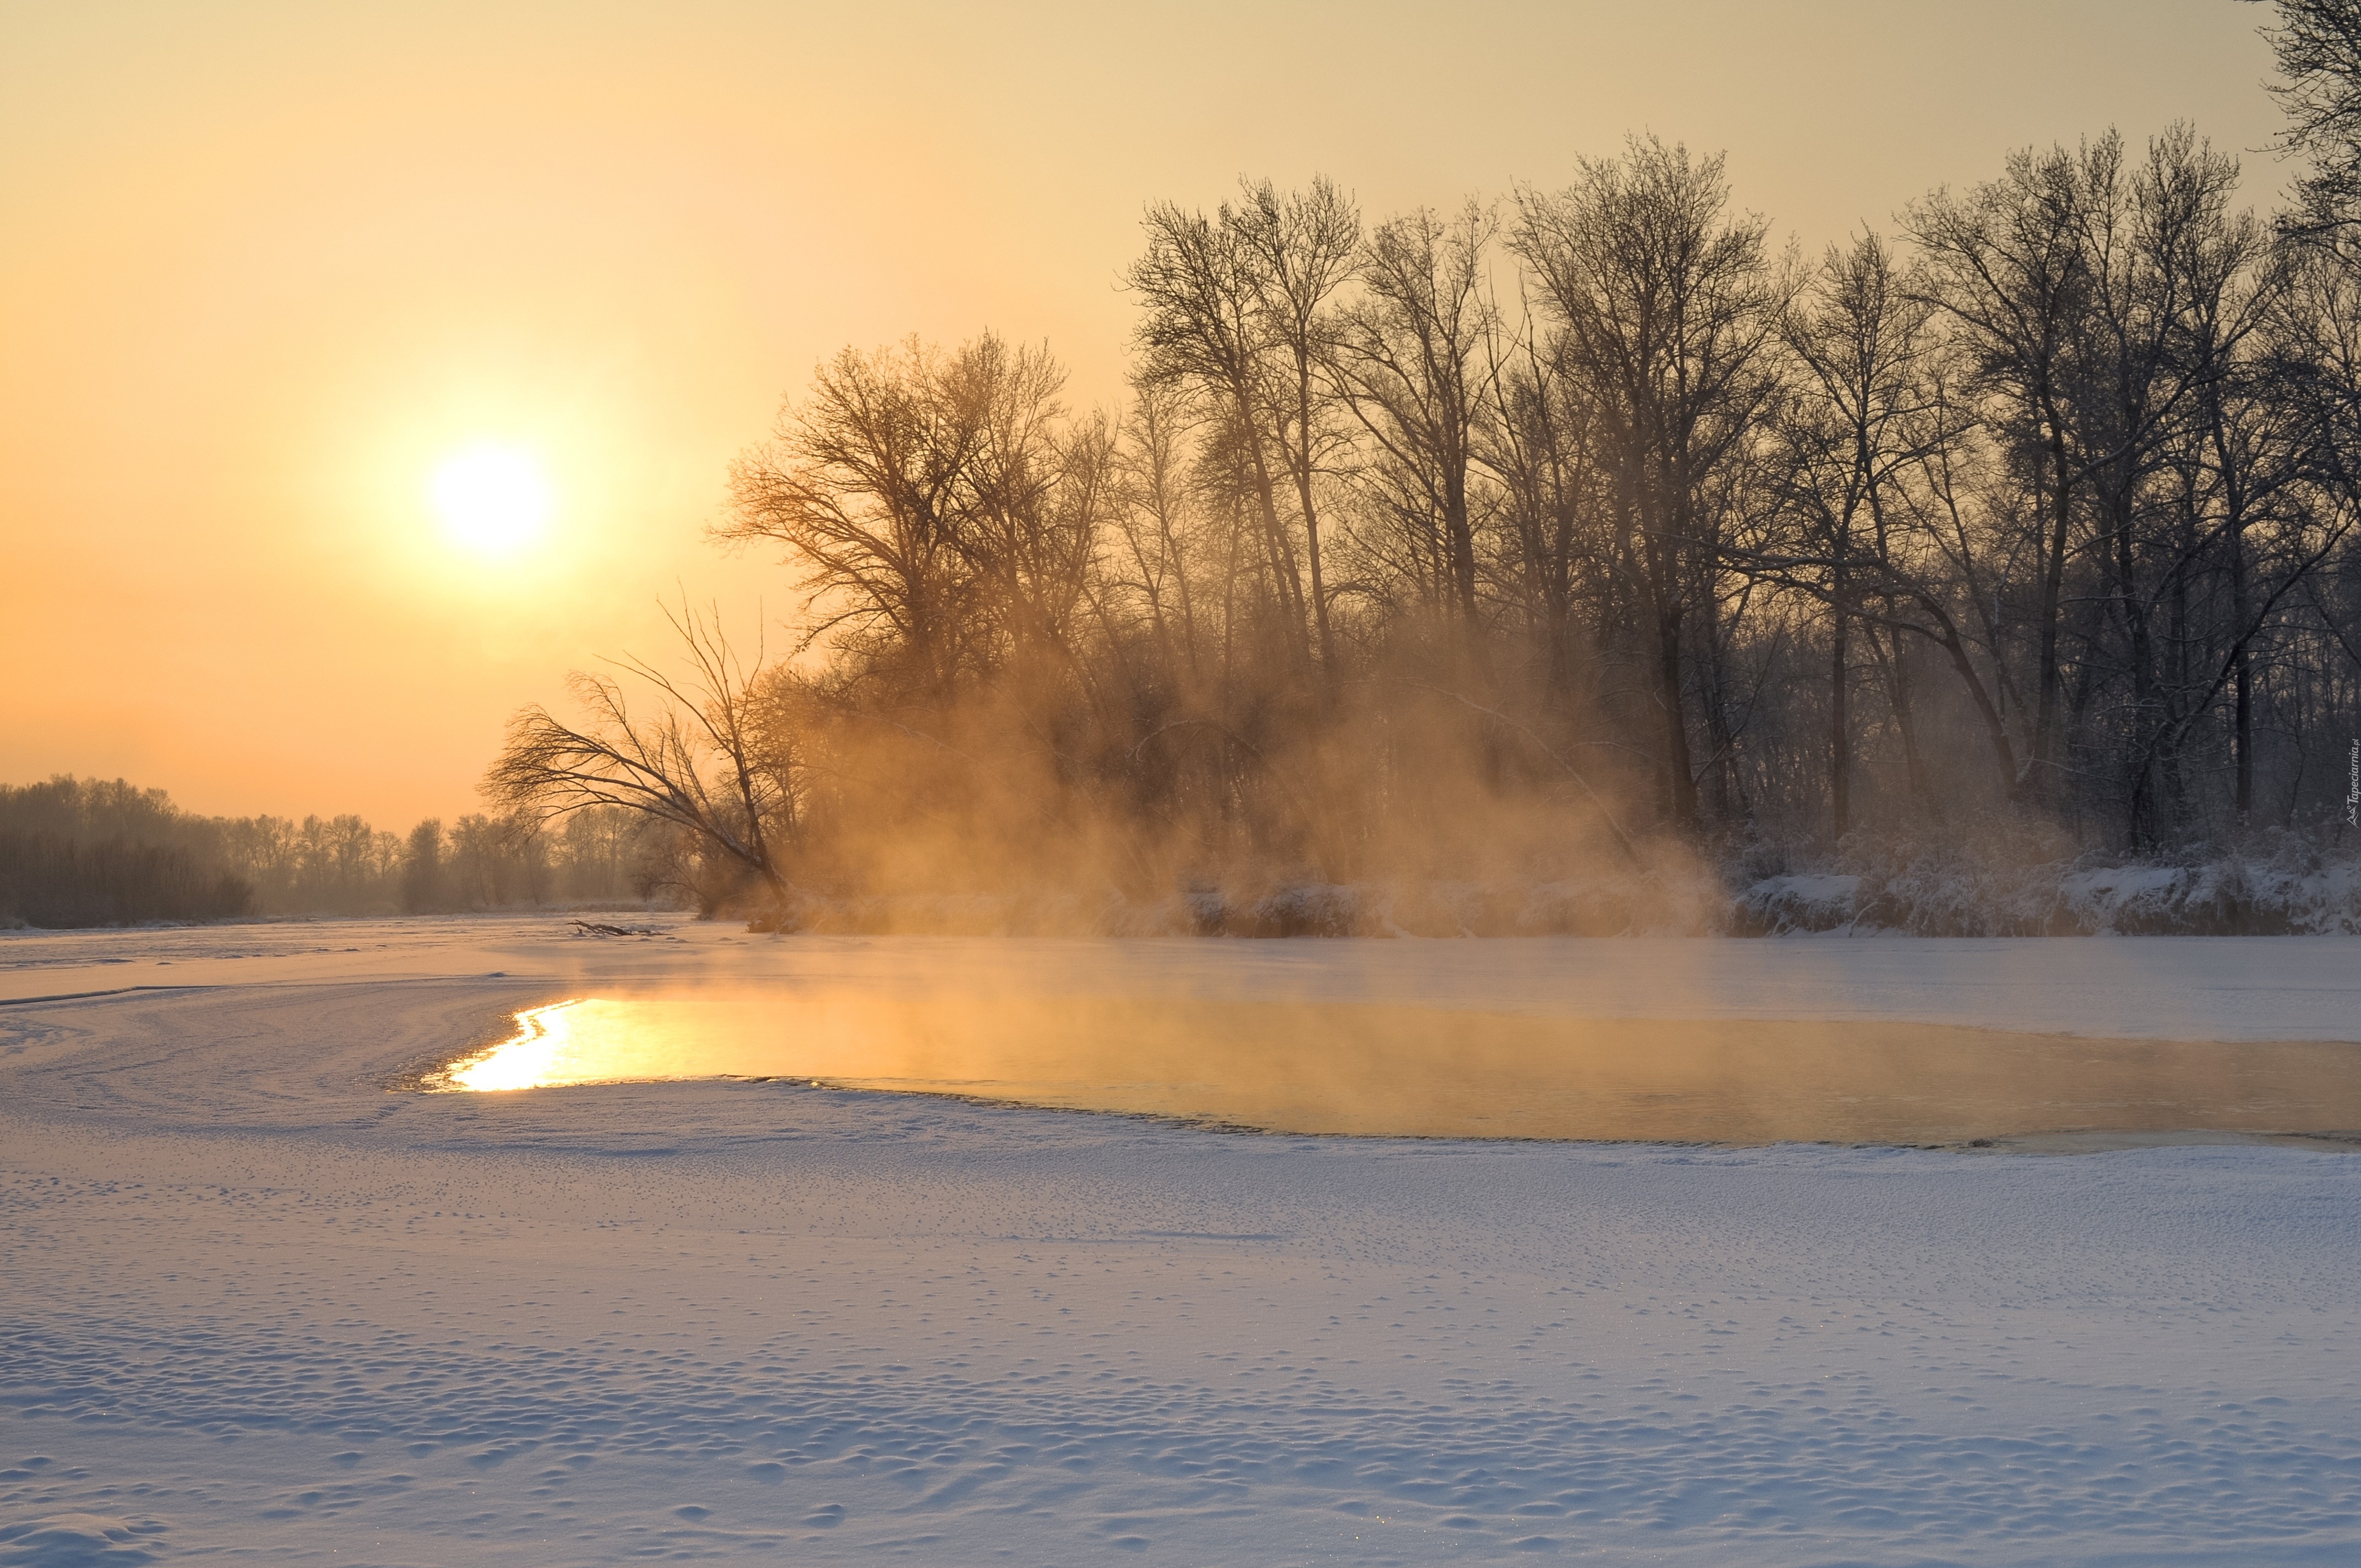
(2003,879)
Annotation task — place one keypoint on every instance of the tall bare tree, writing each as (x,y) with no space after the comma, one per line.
(1668,303)
(2008,265)
(1412,357)
(1861,422)
(1307,245)
(1204,325)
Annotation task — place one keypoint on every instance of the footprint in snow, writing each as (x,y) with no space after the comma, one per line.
(79,1541)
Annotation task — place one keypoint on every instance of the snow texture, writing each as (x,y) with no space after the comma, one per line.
(257,1303)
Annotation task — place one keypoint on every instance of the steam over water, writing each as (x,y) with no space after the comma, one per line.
(1402,1069)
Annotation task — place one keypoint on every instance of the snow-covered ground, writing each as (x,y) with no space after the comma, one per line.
(254,1302)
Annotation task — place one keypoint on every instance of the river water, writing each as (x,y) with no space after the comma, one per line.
(1402,1069)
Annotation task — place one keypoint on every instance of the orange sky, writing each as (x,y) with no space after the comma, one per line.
(264,264)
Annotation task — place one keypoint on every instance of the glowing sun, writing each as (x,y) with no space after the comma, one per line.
(492,499)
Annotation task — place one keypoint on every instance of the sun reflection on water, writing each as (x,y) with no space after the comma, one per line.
(527,1059)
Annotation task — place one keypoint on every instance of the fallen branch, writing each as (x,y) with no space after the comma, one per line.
(594,929)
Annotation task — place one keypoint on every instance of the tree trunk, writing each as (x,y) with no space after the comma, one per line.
(2142,800)
(1840,714)
(1463,538)
(1680,780)
(1286,583)
(2242,677)
(1914,761)
(2036,782)
(1302,466)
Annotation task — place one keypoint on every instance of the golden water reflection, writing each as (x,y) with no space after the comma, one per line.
(1398,1071)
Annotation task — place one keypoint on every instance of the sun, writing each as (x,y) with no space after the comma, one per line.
(492,499)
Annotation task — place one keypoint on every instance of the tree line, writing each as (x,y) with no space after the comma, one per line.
(1584,527)
(96,853)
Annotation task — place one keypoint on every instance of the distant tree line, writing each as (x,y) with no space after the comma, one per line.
(1577,528)
(96,853)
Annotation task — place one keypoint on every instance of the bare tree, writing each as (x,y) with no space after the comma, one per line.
(941,506)
(1307,244)
(859,484)
(713,759)
(1545,448)
(2007,263)
(1861,421)
(1412,357)
(1153,514)
(1027,505)
(1667,304)
(1237,306)
(2318,47)
(1202,325)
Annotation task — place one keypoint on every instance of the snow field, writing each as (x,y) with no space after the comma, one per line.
(253,1303)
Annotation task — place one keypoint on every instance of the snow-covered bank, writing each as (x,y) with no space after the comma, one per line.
(2229,897)
(2285,887)
(1945,892)
(253,1303)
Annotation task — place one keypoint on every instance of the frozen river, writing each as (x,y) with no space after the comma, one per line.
(259,1297)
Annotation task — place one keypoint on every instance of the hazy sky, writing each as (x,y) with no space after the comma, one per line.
(264,267)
